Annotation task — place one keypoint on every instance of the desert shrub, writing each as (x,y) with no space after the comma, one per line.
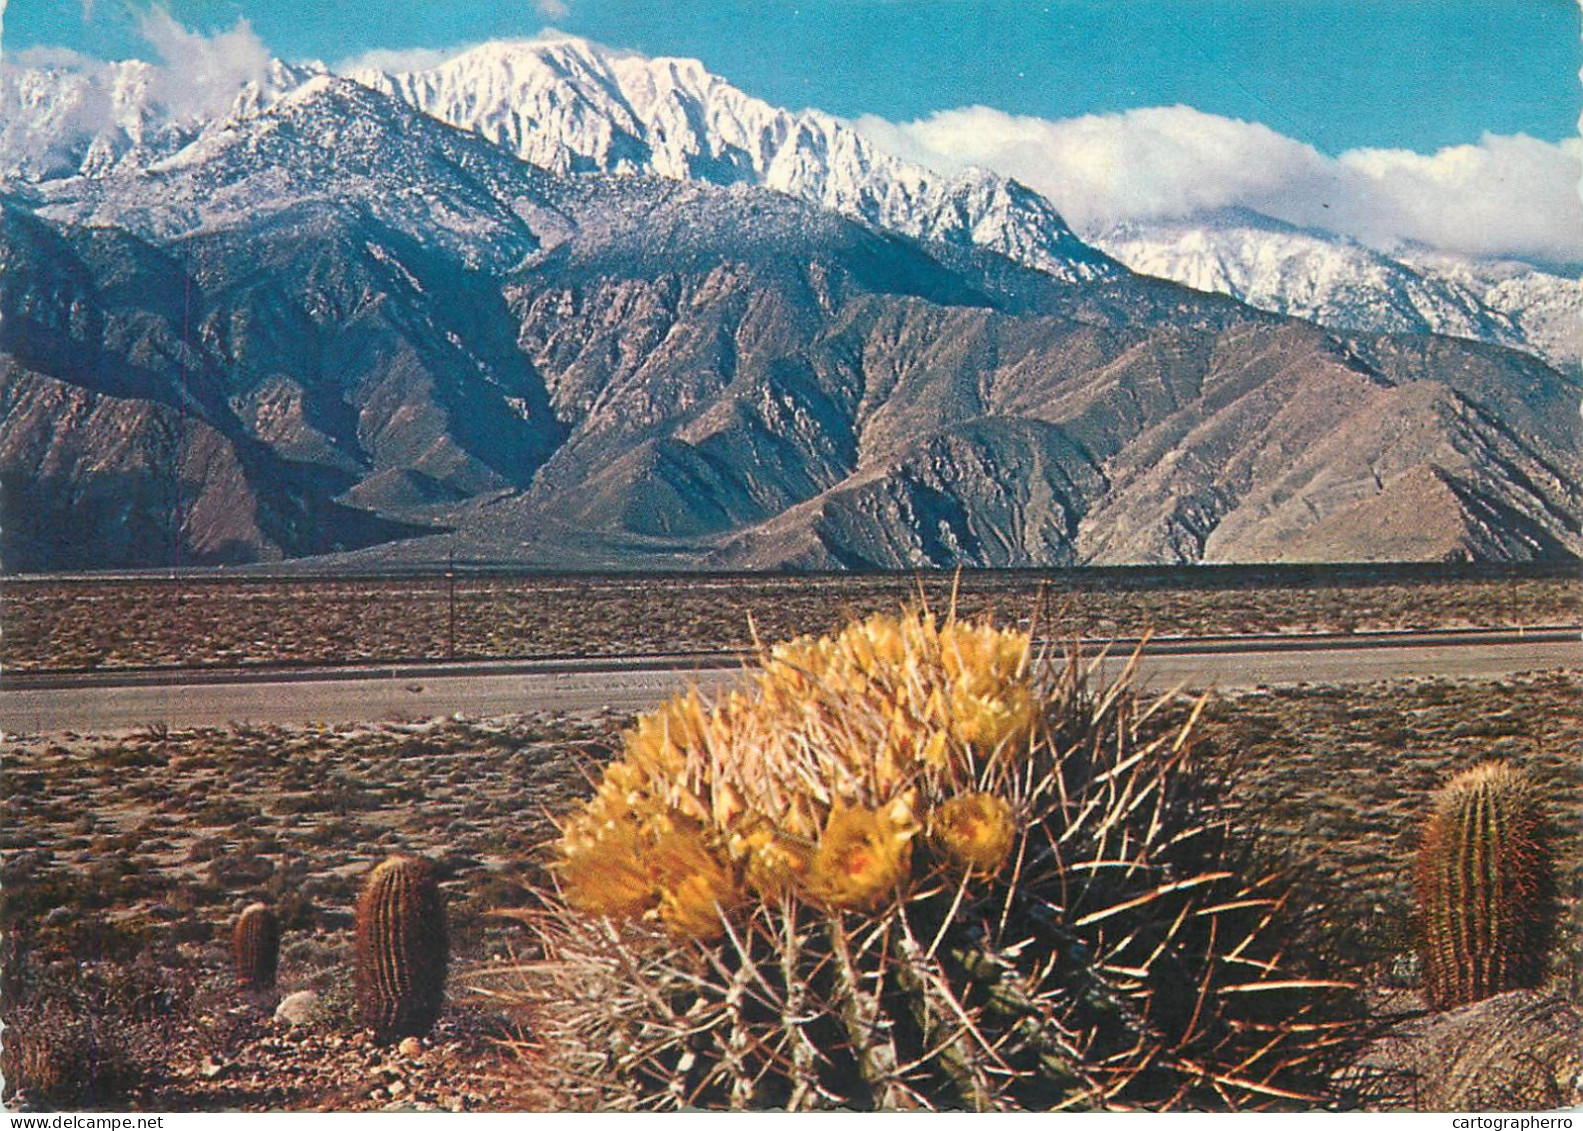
(204,848)
(26,783)
(498,890)
(336,831)
(77,1029)
(57,1057)
(189,929)
(312,955)
(908,866)
(292,804)
(222,812)
(63,909)
(242,869)
(92,937)
(123,757)
(22,866)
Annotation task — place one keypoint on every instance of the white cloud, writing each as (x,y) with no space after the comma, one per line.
(399,60)
(552,9)
(202,73)
(427,58)
(63,58)
(1516,195)
(1504,196)
(197,75)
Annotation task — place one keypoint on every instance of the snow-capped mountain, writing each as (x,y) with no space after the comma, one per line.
(85,118)
(1546,309)
(1342,284)
(322,319)
(570,106)
(325,140)
(567,105)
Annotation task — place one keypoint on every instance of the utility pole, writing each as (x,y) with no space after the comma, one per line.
(450,586)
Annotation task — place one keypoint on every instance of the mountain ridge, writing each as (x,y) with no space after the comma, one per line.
(1343,284)
(567,105)
(327,322)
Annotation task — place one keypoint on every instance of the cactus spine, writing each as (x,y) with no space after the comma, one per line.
(898,869)
(400,949)
(1484,887)
(256,944)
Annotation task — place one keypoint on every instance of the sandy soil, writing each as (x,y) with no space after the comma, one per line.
(127,857)
(228,622)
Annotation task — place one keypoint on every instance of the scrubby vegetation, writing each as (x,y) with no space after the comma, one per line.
(107,624)
(116,905)
(120,974)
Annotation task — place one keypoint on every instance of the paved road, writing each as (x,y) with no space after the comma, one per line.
(181,699)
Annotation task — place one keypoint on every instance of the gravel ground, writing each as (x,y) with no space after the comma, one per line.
(74,625)
(127,856)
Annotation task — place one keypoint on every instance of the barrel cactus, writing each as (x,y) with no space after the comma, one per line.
(1485,887)
(255,943)
(910,865)
(400,949)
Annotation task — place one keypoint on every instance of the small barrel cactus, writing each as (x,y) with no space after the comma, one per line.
(907,866)
(400,949)
(255,942)
(1484,887)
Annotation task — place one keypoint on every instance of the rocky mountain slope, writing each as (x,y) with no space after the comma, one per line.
(327,322)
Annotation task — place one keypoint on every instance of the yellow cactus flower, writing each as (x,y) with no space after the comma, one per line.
(622,787)
(727,804)
(987,722)
(659,743)
(694,909)
(863,854)
(805,778)
(772,862)
(694,887)
(974,831)
(607,875)
(665,865)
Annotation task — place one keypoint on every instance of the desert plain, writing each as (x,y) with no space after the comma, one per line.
(128,855)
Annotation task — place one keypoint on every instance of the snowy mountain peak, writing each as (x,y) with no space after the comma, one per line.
(325,145)
(87,118)
(1338,282)
(570,106)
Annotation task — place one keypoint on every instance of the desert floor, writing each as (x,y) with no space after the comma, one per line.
(127,856)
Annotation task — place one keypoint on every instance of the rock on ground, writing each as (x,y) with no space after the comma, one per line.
(1517,1051)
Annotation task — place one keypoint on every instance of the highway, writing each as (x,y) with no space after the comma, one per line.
(106,701)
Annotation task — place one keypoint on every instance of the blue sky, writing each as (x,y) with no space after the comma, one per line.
(1336,74)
